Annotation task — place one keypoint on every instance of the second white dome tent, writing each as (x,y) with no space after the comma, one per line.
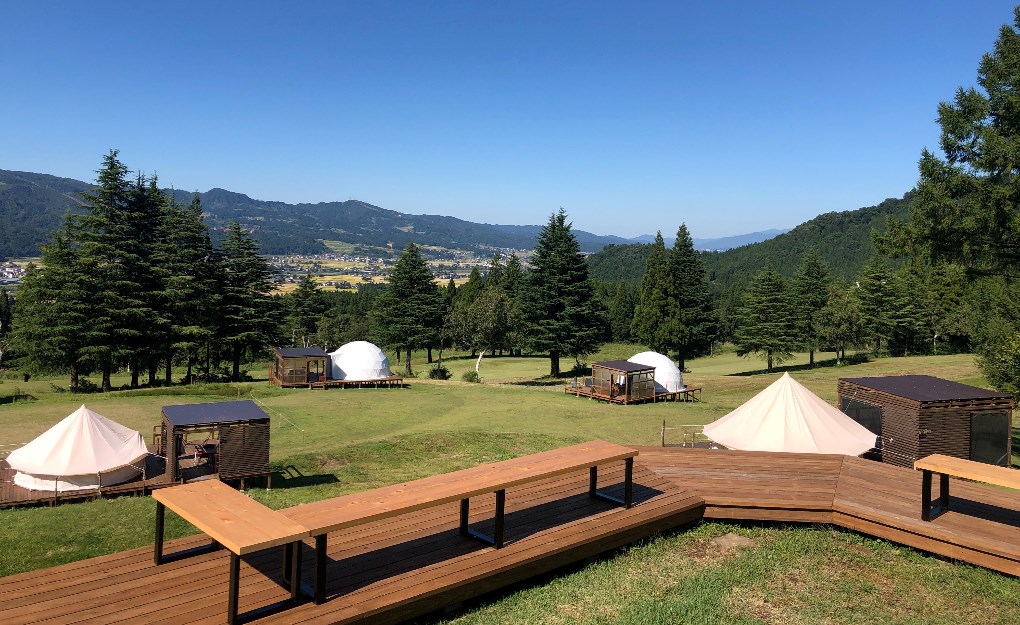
(359,360)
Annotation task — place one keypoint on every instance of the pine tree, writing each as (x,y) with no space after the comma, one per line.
(698,322)
(191,285)
(559,305)
(6,312)
(621,313)
(947,310)
(906,313)
(248,313)
(766,323)
(877,296)
(54,321)
(657,322)
(839,324)
(304,306)
(810,292)
(408,315)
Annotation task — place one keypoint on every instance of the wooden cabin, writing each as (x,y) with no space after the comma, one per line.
(234,435)
(621,381)
(919,415)
(299,366)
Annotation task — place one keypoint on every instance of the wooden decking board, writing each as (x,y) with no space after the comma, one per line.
(194,590)
(884,500)
(400,567)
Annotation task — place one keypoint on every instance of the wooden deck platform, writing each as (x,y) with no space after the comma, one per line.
(14,496)
(689,394)
(390,382)
(982,526)
(382,572)
(398,568)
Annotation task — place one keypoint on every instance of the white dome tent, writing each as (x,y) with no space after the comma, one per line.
(84,451)
(668,378)
(359,360)
(786,416)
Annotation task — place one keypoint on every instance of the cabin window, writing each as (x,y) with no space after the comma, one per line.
(868,415)
(989,437)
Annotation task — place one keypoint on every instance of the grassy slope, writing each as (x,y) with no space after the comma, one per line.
(335,442)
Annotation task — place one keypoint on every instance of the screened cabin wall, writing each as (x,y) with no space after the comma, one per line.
(624,383)
(296,366)
(239,429)
(915,421)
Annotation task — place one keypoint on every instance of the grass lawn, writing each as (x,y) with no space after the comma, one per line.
(327,443)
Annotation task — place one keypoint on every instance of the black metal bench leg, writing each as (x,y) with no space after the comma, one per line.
(628,482)
(464,508)
(593,481)
(294,563)
(160,518)
(925,495)
(232,591)
(320,569)
(497,533)
(943,493)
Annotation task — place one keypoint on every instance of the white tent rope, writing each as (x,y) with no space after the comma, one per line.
(277,413)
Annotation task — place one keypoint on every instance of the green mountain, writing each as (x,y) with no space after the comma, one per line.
(33,205)
(842,239)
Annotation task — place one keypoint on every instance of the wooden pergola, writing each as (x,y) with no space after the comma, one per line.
(622,381)
(299,366)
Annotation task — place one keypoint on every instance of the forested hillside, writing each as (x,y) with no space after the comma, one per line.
(33,205)
(842,240)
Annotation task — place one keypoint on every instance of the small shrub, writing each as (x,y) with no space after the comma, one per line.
(56,388)
(471,376)
(86,385)
(440,372)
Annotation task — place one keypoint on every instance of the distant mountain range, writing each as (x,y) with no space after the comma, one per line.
(33,205)
(719,244)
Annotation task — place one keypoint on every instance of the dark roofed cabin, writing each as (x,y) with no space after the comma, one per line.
(299,366)
(920,415)
(622,381)
(235,432)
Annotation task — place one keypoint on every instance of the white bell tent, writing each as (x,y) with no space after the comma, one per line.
(84,451)
(668,378)
(359,360)
(786,416)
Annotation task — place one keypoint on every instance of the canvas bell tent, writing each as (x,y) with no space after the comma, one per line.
(668,378)
(359,360)
(84,451)
(786,416)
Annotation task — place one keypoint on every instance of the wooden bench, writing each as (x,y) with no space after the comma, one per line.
(235,522)
(946,466)
(321,517)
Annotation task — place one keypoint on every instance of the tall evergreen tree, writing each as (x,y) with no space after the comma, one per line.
(839,324)
(559,305)
(621,313)
(304,306)
(766,326)
(6,312)
(191,284)
(656,317)
(947,311)
(810,292)
(698,322)
(408,315)
(248,312)
(54,321)
(877,296)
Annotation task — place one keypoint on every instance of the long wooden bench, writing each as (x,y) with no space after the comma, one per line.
(948,466)
(331,515)
(235,522)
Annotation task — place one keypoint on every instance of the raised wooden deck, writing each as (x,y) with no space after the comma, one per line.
(402,567)
(383,572)
(982,526)
(14,496)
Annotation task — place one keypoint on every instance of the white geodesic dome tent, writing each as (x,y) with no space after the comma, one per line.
(359,360)
(84,451)
(668,378)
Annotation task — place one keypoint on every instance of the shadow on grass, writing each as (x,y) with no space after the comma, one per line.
(290,476)
(10,399)
(855,359)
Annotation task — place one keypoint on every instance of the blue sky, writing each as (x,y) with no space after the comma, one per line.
(634,116)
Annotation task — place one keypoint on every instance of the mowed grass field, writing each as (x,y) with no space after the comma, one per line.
(328,443)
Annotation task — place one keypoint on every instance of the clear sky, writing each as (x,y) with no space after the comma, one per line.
(634,116)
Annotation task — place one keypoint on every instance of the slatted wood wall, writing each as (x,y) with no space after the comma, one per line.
(244,450)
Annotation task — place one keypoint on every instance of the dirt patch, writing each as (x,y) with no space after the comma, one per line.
(332,464)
